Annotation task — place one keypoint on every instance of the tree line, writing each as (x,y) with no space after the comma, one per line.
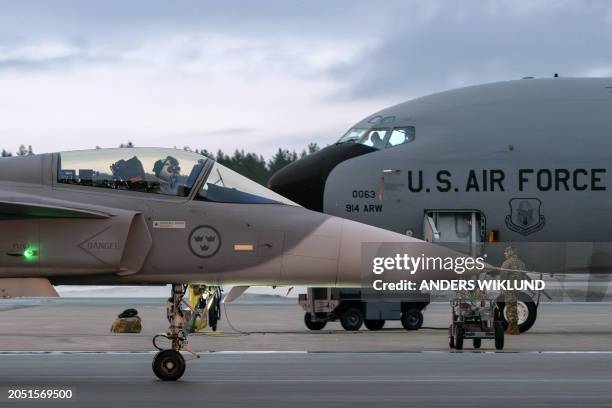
(249,164)
(22,151)
(254,166)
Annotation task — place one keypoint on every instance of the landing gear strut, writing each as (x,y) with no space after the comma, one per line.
(169,364)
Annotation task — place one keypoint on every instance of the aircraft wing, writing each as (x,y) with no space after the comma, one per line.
(26,287)
(234,293)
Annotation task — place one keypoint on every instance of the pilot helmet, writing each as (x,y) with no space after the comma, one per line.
(173,166)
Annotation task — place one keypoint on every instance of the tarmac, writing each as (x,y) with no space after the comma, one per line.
(264,356)
(318,379)
(84,325)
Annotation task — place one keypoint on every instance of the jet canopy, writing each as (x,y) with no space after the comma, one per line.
(380,137)
(169,172)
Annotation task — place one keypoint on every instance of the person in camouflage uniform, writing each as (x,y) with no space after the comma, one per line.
(513,263)
(475,295)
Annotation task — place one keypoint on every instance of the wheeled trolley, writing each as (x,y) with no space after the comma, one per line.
(475,319)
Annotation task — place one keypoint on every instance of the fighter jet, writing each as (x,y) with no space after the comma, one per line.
(521,162)
(163,216)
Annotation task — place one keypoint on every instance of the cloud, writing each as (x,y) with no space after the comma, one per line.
(449,44)
(263,75)
(41,51)
(223,132)
(199,89)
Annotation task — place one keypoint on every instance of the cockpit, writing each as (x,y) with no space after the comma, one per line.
(168,172)
(303,181)
(380,137)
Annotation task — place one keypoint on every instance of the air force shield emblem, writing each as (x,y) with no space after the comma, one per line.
(525,217)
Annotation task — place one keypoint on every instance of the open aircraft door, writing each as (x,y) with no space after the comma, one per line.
(465,229)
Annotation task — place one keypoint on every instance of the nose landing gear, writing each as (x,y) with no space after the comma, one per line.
(169,364)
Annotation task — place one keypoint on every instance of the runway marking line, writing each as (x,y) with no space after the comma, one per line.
(59,352)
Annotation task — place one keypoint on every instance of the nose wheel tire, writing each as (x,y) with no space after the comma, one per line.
(169,365)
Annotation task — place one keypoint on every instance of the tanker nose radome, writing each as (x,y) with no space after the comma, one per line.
(303,181)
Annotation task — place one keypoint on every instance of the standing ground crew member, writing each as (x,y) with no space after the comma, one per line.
(514,263)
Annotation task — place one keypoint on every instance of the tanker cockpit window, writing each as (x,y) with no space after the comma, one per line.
(380,138)
(400,136)
(374,138)
(352,135)
(158,171)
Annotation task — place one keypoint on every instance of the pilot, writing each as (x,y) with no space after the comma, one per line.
(377,142)
(167,172)
(128,173)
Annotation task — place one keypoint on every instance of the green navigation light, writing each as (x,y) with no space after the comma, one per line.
(29,253)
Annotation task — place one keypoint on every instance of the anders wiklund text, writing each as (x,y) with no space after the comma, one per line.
(458,284)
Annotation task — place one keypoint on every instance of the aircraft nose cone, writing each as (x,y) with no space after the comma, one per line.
(361,243)
(354,235)
(323,250)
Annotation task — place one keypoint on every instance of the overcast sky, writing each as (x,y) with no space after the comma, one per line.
(263,74)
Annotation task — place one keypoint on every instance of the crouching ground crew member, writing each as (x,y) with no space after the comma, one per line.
(514,263)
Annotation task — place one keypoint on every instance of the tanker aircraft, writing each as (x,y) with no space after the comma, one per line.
(522,162)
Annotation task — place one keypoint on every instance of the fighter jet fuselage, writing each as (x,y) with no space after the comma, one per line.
(157,216)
